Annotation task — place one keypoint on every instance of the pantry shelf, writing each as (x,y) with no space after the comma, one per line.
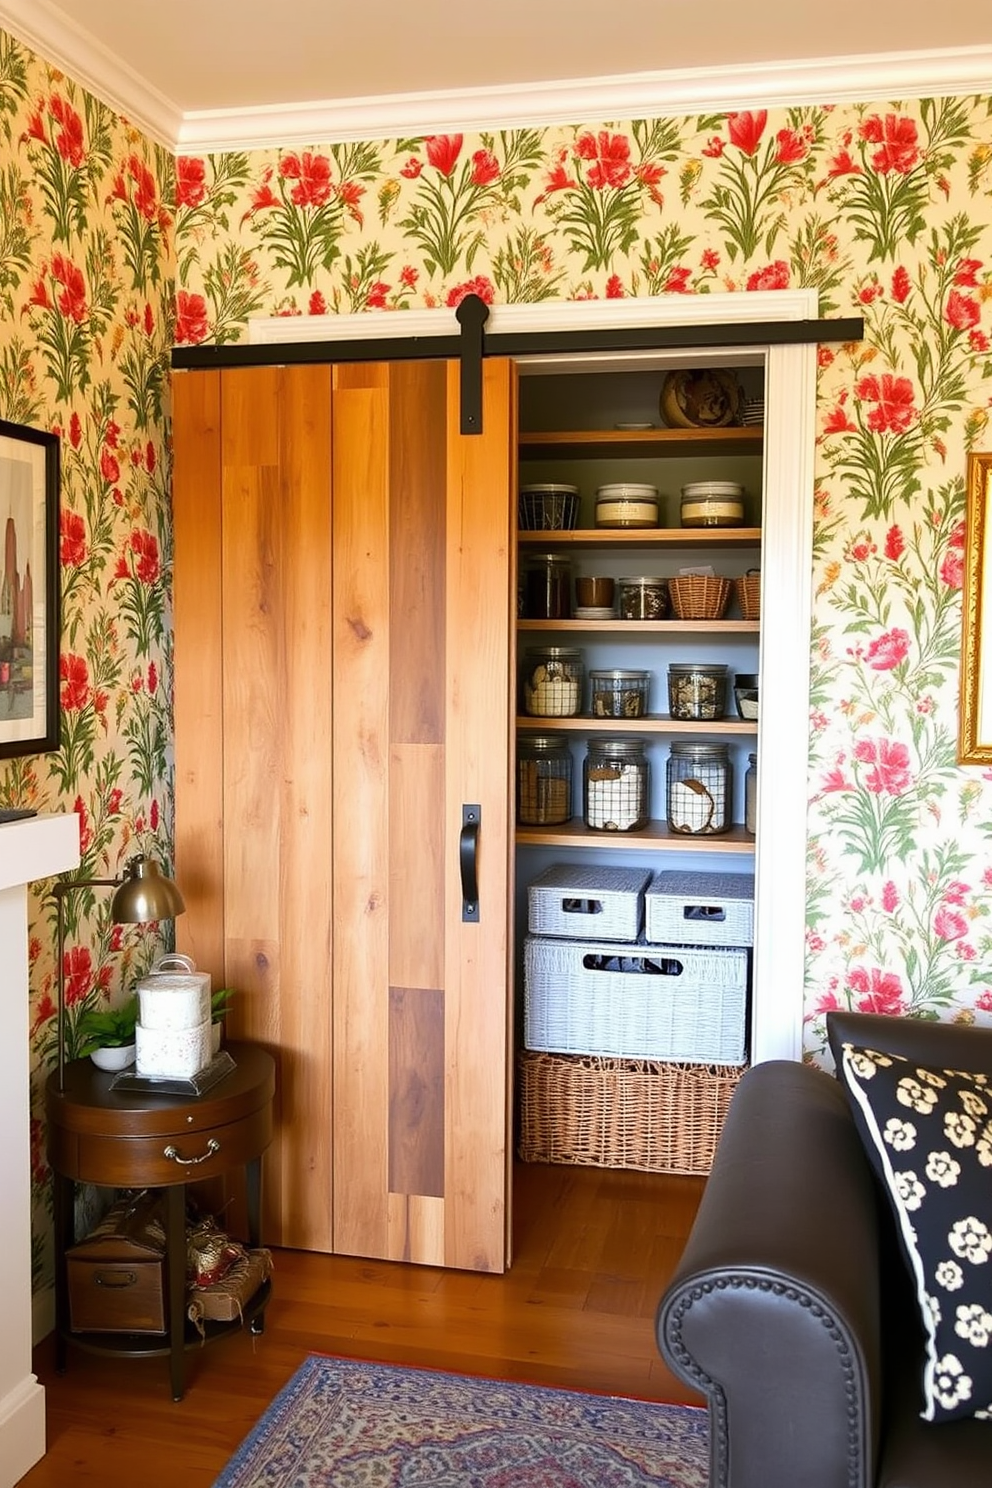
(638,443)
(697,538)
(655,837)
(651,723)
(620,628)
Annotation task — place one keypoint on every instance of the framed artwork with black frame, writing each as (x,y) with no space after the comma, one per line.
(30,608)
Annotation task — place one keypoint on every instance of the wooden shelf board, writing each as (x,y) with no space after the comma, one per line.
(641,442)
(656,837)
(652,723)
(642,537)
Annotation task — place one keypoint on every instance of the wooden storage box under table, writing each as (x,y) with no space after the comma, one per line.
(136,1139)
(116,1276)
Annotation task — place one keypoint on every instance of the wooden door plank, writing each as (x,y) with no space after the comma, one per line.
(360,754)
(478,1005)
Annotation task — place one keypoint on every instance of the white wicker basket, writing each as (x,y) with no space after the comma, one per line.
(635,1001)
(606,903)
(707,909)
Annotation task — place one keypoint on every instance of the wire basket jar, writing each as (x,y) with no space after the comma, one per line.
(618,693)
(697,690)
(615,785)
(551,507)
(544,780)
(699,788)
(552,684)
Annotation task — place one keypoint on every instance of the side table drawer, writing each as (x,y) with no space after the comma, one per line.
(183,1157)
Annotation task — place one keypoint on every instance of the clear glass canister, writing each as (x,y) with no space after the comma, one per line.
(615,785)
(643,598)
(700,789)
(697,690)
(548,587)
(751,795)
(618,693)
(544,780)
(552,681)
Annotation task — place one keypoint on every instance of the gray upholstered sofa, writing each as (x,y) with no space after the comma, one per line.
(792,1308)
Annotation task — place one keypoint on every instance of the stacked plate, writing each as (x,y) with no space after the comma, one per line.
(753,411)
(594,612)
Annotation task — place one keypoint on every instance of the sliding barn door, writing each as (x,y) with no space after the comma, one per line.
(342,597)
(421,741)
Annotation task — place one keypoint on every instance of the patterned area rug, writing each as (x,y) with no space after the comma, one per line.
(342,1424)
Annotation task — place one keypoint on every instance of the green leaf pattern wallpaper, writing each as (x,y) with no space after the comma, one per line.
(87,274)
(110,251)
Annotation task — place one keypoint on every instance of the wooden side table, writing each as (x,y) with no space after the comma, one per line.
(120,1139)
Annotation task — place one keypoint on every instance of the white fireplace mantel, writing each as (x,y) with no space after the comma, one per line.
(35,847)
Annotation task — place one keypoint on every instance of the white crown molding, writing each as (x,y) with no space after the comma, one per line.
(58,39)
(953,72)
(48,30)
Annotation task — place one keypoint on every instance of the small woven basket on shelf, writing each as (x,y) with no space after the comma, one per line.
(699,596)
(749,594)
(547,511)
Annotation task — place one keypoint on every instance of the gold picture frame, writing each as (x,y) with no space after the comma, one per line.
(975,721)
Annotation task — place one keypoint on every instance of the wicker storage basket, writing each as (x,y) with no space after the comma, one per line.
(681,1003)
(699,596)
(749,594)
(613,1113)
(700,909)
(571,901)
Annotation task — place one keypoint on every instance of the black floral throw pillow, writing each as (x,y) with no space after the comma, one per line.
(929,1132)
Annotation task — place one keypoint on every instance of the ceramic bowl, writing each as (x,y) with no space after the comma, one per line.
(113,1059)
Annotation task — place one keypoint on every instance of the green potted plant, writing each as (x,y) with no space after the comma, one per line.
(107,1034)
(220,1006)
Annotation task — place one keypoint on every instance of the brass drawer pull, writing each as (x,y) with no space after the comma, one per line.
(173,1154)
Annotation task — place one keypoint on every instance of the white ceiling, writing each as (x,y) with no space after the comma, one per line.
(216,73)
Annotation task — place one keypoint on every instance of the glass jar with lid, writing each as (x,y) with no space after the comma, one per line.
(697,691)
(627,504)
(548,587)
(699,780)
(552,681)
(712,504)
(643,598)
(615,785)
(544,780)
(618,693)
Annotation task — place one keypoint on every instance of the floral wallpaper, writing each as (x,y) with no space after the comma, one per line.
(111,251)
(885,210)
(86,294)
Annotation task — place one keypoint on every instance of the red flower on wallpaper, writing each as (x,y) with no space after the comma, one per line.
(443,151)
(900,285)
(557,179)
(72,300)
(75,679)
(890,773)
(109,466)
(952,569)
(790,147)
(411,170)
(191,318)
(312,174)
(949,924)
(480,286)
(966,273)
(485,168)
(895,544)
(144,547)
(961,311)
(898,141)
(72,535)
(890,897)
(772,276)
(69,135)
(191,181)
(77,969)
(610,154)
(888,650)
(843,164)
(876,991)
(837,422)
(745,129)
(893,396)
(75,430)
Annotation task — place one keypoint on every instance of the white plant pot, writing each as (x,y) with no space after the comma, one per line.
(113,1059)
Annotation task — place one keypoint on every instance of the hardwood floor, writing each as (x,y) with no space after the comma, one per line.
(593,1250)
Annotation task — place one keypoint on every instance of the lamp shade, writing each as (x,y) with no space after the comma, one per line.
(145,894)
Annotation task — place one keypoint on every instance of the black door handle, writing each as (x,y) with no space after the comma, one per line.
(468,861)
